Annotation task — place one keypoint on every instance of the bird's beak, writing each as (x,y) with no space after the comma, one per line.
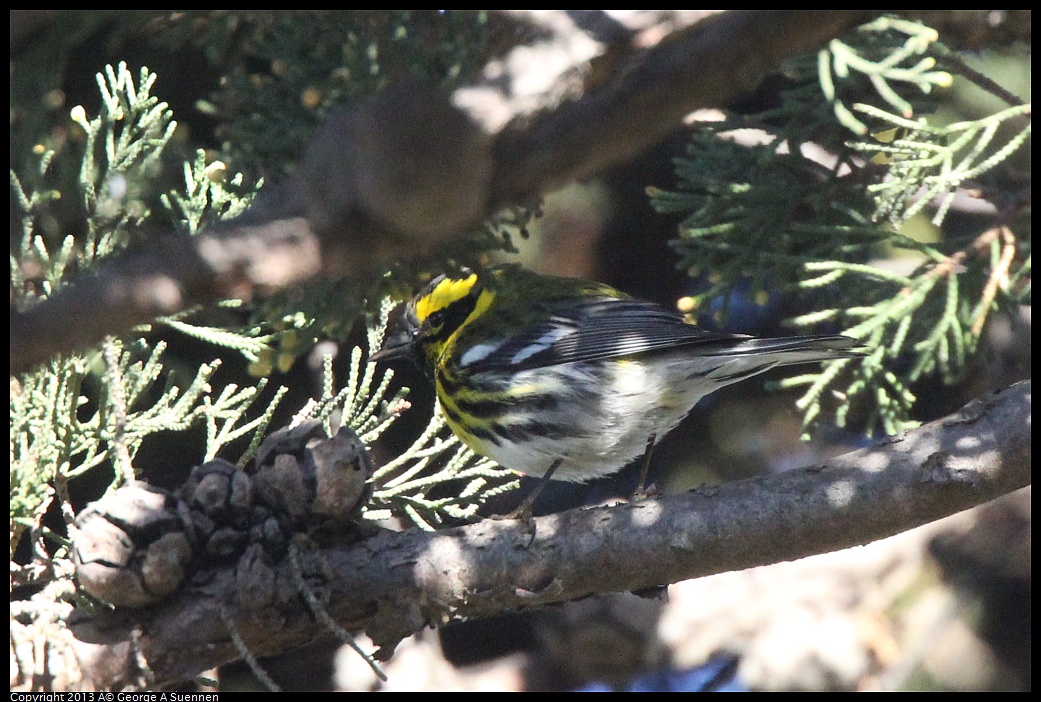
(398,344)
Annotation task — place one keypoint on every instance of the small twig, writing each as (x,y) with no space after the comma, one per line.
(951,263)
(119,408)
(998,277)
(322,614)
(145,674)
(954,64)
(247,655)
(61,490)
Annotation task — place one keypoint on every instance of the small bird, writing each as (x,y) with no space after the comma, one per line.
(569,378)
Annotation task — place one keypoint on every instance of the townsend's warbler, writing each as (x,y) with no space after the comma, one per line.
(541,373)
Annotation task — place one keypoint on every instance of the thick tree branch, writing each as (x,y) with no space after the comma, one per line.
(398,177)
(393,584)
(648,95)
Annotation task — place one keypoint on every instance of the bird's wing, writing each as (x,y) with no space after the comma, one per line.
(588,330)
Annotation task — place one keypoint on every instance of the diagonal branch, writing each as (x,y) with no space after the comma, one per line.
(412,169)
(396,583)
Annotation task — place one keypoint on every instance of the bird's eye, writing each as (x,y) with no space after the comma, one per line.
(437,318)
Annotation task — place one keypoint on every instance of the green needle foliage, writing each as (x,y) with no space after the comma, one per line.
(283,74)
(434,480)
(83,411)
(939,159)
(812,197)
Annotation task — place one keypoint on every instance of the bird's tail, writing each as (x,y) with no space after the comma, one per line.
(753,356)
